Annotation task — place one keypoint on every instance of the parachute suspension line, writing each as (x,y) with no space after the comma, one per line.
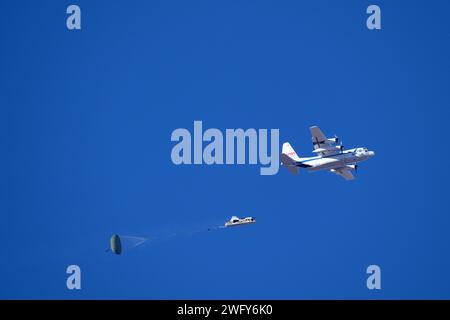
(132,241)
(119,243)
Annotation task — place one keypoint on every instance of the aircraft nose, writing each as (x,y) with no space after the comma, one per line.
(371,153)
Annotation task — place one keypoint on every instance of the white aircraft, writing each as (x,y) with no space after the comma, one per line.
(235,221)
(330,156)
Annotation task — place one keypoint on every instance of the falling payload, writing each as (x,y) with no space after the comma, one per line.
(120,244)
(116,244)
(235,221)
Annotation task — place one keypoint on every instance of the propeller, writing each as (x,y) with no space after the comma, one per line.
(356,168)
(338,142)
(336,138)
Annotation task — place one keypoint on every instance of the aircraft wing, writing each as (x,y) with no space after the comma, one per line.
(344,173)
(317,137)
(322,146)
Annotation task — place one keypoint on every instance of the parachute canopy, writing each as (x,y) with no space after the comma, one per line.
(116,244)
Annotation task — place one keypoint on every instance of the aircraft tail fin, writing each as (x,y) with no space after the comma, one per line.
(289,151)
(289,158)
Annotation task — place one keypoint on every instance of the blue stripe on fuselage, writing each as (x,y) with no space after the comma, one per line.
(327,156)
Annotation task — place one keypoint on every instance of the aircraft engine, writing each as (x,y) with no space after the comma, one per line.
(334,140)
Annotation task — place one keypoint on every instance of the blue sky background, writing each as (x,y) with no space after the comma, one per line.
(85,125)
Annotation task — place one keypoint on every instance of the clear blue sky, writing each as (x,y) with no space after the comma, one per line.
(85,125)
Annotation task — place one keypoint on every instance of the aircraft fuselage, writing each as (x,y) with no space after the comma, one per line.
(338,160)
